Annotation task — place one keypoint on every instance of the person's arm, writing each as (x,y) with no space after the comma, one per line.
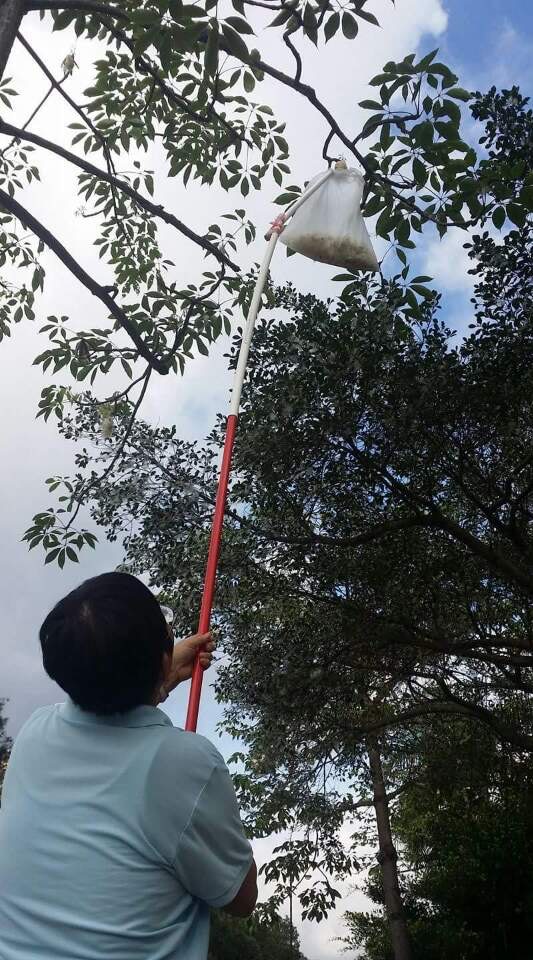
(214,860)
(244,903)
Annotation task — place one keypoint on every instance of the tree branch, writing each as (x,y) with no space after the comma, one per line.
(11,13)
(97,480)
(377,532)
(145,66)
(155,209)
(288,42)
(310,94)
(492,557)
(31,223)
(457,708)
(84,6)
(56,84)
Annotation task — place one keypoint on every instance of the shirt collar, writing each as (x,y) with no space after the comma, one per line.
(143,716)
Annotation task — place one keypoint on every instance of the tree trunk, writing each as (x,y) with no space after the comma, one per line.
(11,13)
(387,858)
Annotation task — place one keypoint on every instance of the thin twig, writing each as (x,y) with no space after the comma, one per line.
(57,86)
(157,210)
(83,6)
(145,66)
(97,480)
(99,291)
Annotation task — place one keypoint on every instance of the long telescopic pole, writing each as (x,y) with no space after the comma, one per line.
(231,429)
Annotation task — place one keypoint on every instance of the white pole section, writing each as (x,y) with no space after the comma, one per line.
(250,324)
(272,237)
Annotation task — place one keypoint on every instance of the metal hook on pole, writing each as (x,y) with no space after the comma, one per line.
(272,236)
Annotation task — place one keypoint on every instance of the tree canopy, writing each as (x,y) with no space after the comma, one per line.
(375,571)
(176,91)
(5,744)
(465,835)
(253,939)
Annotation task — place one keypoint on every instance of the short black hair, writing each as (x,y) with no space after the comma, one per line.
(104,643)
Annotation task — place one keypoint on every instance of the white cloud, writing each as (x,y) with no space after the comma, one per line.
(512,61)
(448,262)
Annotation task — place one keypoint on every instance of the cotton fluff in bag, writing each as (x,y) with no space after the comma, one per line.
(329,226)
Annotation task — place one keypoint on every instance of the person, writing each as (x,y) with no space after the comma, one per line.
(118,831)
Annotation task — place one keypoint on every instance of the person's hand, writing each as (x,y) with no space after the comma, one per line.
(184,656)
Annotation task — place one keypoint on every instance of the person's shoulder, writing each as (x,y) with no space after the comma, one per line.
(188,758)
(191,746)
(38,718)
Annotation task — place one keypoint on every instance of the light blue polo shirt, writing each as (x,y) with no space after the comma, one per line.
(116,836)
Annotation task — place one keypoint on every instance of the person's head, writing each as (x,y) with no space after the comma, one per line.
(107,644)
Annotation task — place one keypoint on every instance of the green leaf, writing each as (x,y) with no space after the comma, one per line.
(373,206)
(192,10)
(452,110)
(310,23)
(411,299)
(441,70)
(281,18)
(383,225)
(403,230)
(62,20)
(240,25)
(419,172)
(516,214)
(286,198)
(369,17)
(370,105)
(249,82)
(459,94)
(332,25)
(422,291)
(72,555)
(234,43)
(526,196)
(448,131)
(498,217)
(423,133)
(350,27)
(211,50)
(425,62)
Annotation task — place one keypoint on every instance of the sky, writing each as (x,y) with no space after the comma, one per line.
(484,41)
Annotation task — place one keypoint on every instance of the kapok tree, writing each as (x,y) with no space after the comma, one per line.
(186,77)
(375,570)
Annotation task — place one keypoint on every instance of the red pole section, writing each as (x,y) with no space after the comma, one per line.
(211,568)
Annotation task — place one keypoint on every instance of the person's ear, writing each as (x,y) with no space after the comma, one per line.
(167,666)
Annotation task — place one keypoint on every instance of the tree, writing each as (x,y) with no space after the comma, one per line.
(376,557)
(182,76)
(253,939)
(465,833)
(5,744)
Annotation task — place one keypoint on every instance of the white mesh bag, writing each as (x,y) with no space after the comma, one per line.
(329,226)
